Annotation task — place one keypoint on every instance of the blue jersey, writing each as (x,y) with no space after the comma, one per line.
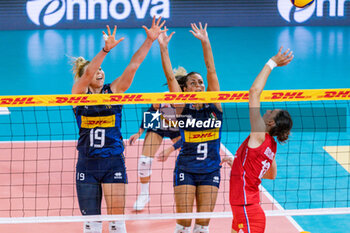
(200,133)
(99,129)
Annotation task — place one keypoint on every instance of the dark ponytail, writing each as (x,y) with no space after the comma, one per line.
(181,76)
(283,125)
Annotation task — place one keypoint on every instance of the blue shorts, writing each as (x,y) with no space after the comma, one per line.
(90,174)
(165,133)
(182,177)
(101,170)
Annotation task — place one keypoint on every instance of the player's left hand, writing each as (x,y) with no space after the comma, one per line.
(283,59)
(164,39)
(228,160)
(164,155)
(200,33)
(155,29)
(110,41)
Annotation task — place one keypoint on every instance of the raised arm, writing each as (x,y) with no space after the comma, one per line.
(258,126)
(202,34)
(83,83)
(163,41)
(122,83)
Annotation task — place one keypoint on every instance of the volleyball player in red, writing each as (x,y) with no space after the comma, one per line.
(255,158)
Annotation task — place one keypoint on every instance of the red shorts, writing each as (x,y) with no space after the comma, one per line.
(248,218)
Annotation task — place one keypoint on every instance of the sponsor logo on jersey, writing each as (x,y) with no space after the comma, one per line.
(268,152)
(216,179)
(118,176)
(201,136)
(100,121)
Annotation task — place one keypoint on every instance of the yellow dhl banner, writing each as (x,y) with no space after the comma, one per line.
(99,121)
(201,136)
(176,97)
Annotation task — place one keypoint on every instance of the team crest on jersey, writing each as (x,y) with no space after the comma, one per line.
(268,152)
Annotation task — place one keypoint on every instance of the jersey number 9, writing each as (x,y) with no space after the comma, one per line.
(97,138)
(202,148)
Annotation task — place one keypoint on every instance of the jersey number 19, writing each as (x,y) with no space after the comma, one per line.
(97,138)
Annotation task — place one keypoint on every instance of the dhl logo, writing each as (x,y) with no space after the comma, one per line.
(234,96)
(337,94)
(288,95)
(17,101)
(169,97)
(201,136)
(126,98)
(93,122)
(72,100)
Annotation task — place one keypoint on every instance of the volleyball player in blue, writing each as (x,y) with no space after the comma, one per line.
(197,170)
(101,165)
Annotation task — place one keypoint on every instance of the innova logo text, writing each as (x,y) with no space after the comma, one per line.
(292,14)
(51,12)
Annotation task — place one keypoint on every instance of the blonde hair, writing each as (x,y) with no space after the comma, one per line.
(79,65)
(180,71)
(181,76)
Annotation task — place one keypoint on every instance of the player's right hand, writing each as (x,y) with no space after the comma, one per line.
(283,59)
(133,138)
(164,39)
(164,155)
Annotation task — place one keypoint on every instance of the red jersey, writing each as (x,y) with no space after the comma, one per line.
(248,168)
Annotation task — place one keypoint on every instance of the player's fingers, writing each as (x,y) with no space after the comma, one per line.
(108,30)
(171,35)
(193,33)
(200,26)
(120,40)
(114,30)
(162,24)
(286,52)
(144,27)
(158,21)
(280,50)
(105,37)
(195,26)
(153,21)
(205,26)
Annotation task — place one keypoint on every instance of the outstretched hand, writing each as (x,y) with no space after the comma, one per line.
(164,39)
(200,33)
(283,59)
(109,38)
(156,28)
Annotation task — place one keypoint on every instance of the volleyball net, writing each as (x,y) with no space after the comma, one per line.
(38,138)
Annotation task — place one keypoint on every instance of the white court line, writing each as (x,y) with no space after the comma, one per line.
(268,195)
(278,213)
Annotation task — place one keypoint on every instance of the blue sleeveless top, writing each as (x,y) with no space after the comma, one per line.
(99,129)
(200,134)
